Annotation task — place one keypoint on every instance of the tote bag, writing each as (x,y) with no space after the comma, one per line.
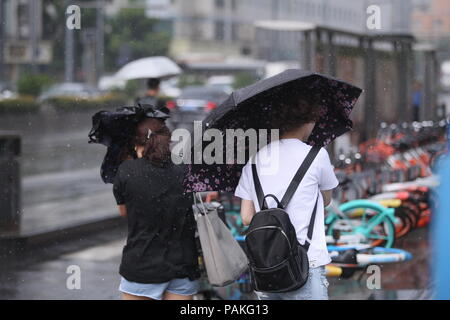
(225,260)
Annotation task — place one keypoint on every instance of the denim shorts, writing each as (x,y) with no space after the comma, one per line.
(183,287)
(315,288)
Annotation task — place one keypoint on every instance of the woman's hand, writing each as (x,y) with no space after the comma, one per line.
(122,210)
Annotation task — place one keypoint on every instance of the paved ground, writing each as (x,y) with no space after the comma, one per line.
(401,281)
(42,274)
(56,200)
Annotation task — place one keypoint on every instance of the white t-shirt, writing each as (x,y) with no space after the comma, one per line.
(276,165)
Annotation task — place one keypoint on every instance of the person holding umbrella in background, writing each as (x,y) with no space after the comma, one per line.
(153,69)
(151,95)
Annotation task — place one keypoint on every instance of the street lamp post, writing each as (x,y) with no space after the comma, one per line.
(2,24)
(100,35)
(69,52)
(100,46)
(33,7)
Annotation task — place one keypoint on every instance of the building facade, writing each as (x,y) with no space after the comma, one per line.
(228,26)
(22,41)
(431,19)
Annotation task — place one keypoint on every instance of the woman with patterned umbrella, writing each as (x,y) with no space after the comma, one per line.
(258,106)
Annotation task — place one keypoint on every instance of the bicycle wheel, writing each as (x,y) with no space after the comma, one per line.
(376,226)
(411,214)
(413,211)
(405,223)
(382,234)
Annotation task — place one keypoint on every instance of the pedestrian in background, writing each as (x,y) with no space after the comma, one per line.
(151,95)
(417,100)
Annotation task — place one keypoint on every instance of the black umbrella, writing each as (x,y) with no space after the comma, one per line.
(114,129)
(255,107)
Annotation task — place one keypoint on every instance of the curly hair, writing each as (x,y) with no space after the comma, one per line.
(293,111)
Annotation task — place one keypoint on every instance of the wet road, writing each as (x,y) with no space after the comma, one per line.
(42,274)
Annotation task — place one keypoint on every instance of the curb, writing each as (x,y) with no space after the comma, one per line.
(11,245)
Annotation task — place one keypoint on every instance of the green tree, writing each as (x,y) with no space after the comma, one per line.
(32,84)
(243,79)
(129,28)
(141,36)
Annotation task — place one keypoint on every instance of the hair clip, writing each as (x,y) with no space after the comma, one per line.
(149,133)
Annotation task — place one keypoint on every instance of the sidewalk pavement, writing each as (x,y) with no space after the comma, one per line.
(42,273)
(61,205)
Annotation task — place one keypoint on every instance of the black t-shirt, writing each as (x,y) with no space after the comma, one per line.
(161,226)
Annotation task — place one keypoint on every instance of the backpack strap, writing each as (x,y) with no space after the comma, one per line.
(259,192)
(299,176)
(311,225)
(293,187)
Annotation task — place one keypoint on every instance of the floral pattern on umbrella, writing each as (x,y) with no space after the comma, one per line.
(337,101)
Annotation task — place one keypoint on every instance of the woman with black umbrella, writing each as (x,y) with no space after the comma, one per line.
(159,260)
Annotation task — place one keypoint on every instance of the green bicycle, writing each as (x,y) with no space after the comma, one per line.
(360,222)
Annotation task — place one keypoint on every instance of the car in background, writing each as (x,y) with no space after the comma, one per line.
(6,91)
(223,82)
(194,102)
(169,88)
(70,89)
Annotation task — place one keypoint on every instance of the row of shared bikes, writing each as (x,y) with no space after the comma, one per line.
(387,190)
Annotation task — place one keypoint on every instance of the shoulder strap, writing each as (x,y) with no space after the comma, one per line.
(311,225)
(299,176)
(291,190)
(259,192)
(293,187)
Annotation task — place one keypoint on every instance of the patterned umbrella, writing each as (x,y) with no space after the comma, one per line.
(255,107)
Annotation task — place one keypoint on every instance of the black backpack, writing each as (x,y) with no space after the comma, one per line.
(277,261)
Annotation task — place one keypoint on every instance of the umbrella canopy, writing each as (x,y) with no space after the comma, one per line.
(255,107)
(151,67)
(114,129)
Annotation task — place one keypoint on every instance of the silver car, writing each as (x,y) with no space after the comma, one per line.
(70,89)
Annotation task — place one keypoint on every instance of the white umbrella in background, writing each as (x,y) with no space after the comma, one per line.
(110,82)
(151,67)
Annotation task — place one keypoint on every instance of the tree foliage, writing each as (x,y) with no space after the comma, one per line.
(131,35)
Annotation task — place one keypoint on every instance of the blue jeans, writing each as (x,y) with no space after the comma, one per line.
(316,288)
(184,287)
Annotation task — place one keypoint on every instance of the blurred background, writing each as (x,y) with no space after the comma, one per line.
(56,211)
